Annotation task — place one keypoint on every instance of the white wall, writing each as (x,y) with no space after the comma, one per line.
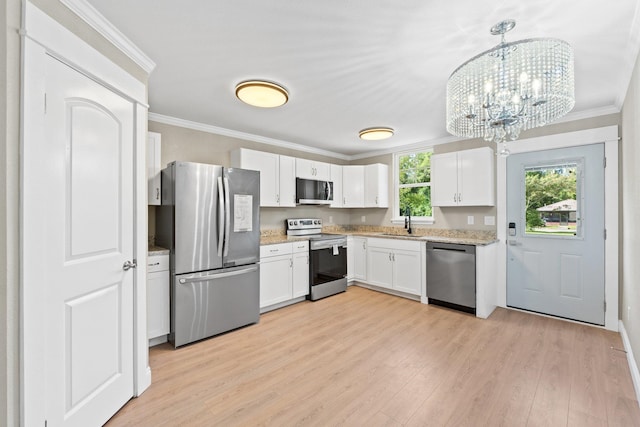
(630,209)
(9,201)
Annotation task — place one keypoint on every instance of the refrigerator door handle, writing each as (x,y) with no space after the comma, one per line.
(227,217)
(220,216)
(213,276)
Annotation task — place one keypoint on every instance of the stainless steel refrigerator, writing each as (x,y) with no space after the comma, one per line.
(210,221)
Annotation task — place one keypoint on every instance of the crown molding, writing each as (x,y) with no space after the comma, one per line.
(587,114)
(174,121)
(98,22)
(408,147)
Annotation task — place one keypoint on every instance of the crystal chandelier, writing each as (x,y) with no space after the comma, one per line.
(512,87)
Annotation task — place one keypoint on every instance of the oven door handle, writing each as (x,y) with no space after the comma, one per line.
(327,244)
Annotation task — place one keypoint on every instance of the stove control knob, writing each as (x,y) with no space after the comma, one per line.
(295,222)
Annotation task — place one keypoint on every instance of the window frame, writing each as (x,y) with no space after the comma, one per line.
(395,218)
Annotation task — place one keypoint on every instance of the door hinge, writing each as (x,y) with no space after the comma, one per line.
(605,234)
(604,162)
(605,306)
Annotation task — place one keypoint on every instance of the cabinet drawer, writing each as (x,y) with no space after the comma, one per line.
(300,246)
(274,250)
(157,263)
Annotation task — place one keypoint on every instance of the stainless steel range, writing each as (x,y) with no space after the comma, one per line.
(327,257)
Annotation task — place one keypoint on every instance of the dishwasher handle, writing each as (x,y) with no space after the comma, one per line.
(450,247)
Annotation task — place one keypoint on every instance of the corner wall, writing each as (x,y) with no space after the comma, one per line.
(10,13)
(630,211)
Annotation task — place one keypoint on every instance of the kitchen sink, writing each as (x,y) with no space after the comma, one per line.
(411,236)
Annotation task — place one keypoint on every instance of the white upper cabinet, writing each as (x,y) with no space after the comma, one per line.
(463,178)
(336,178)
(277,175)
(376,186)
(310,169)
(353,186)
(154,166)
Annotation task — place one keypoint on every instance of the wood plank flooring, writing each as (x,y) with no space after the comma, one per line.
(371,359)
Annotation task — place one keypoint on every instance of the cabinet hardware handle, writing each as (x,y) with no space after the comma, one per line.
(459,197)
(277,198)
(344,200)
(157,193)
(291,263)
(394,257)
(376,200)
(273,250)
(155,263)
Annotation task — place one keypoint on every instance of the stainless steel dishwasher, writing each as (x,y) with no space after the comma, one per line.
(451,276)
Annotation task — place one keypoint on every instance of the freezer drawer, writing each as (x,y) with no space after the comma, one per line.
(451,275)
(212,302)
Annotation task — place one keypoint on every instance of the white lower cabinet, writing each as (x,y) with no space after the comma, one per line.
(284,273)
(360,258)
(349,258)
(157,298)
(300,269)
(395,264)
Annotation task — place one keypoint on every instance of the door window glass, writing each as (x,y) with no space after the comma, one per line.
(552,200)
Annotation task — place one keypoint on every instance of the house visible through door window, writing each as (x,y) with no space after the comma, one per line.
(413,185)
(552,203)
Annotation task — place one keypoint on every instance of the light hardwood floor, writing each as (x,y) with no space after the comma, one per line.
(371,359)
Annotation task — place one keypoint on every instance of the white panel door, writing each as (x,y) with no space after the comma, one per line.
(444,179)
(353,186)
(287,181)
(555,215)
(380,266)
(276,281)
(407,271)
(87,200)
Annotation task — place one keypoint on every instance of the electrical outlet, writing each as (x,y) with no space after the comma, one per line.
(470,220)
(330,219)
(490,220)
(363,218)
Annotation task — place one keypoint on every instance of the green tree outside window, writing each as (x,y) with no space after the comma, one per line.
(414,189)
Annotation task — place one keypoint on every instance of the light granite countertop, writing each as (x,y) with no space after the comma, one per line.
(463,237)
(157,250)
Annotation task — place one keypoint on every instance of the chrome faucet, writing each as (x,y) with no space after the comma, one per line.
(407,220)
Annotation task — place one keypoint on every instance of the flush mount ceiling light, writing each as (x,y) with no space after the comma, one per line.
(375,134)
(262,94)
(512,87)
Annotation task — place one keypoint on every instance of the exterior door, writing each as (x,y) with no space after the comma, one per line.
(86,189)
(555,215)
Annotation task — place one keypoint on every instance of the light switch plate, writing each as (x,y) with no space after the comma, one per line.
(363,218)
(490,220)
(470,220)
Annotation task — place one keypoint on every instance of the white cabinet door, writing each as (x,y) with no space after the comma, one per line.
(336,178)
(300,274)
(269,166)
(350,258)
(157,304)
(444,179)
(407,271)
(287,181)
(154,166)
(360,258)
(380,266)
(275,279)
(353,186)
(376,187)
(310,169)
(476,183)
(463,178)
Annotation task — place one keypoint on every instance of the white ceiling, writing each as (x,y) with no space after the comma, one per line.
(352,64)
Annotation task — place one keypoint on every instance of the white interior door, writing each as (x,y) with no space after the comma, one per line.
(555,216)
(86,187)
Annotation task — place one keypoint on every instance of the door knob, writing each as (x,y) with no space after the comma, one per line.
(129,265)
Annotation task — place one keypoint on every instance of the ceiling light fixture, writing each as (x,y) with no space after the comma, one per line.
(513,87)
(262,94)
(375,134)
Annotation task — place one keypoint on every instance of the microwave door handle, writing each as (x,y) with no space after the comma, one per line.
(329,196)
(220,216)
(227,217)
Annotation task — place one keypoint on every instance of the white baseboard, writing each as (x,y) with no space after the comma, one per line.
(633,367)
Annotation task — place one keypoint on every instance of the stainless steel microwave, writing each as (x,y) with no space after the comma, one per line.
(312,192)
